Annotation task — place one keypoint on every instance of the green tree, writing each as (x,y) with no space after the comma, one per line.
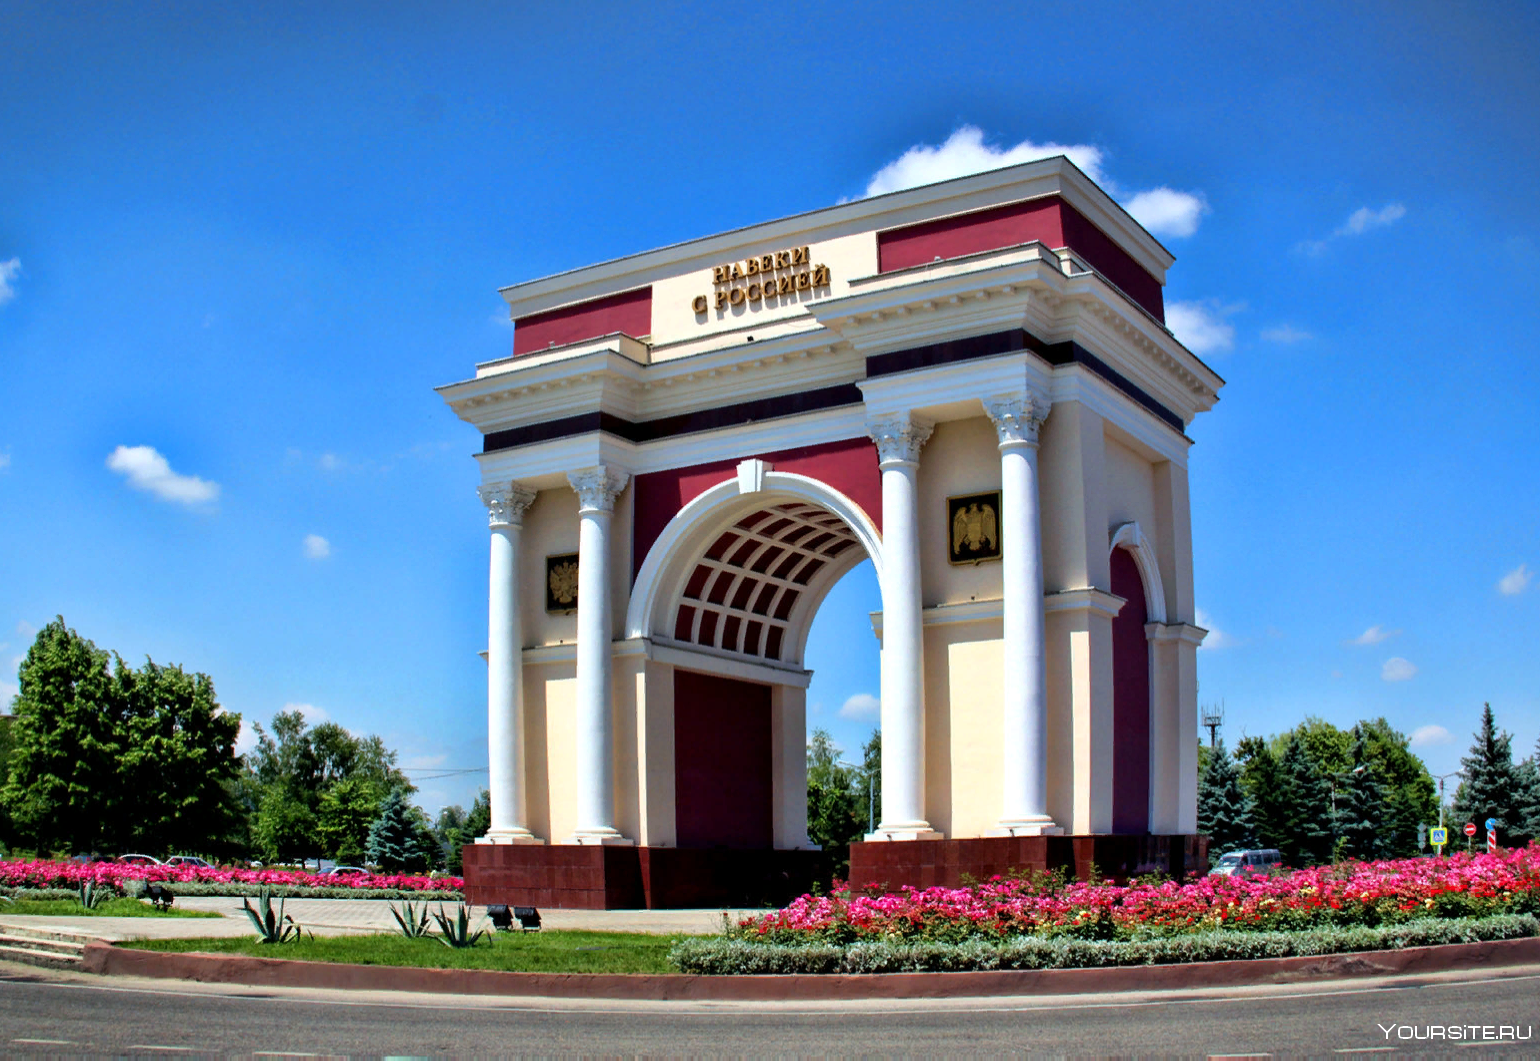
(1490,788)
(478,820)
(117,758)
(1306,807)
(347,809)
(833,820)
(871,780)
(1224,809)
(395,838)
(284,829)
(1262,778)
(1527,774)
(1361,805)
(1410,794)
(60,787)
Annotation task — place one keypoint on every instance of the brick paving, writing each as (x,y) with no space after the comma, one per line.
(335,917)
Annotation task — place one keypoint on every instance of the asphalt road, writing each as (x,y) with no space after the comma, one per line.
(65,1014)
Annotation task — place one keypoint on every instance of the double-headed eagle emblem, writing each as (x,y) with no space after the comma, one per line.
(564,582)
(974,528)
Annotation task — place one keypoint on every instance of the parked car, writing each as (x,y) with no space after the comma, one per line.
(139,860)
(1247,863)
(343,871)
(188,860)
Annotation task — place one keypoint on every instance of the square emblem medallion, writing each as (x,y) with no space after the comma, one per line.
(973,522)
(561,583)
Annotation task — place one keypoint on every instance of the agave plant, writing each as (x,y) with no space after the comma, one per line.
(457,932)
(93,895)
(412,919)
(271,927)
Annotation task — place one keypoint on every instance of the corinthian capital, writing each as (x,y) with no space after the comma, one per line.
(505,503)
(1017,416)
(898,437)
(598,487)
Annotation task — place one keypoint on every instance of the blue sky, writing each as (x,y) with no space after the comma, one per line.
(240,244)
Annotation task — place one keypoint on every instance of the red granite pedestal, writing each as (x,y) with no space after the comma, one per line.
(888,865)
(574,877)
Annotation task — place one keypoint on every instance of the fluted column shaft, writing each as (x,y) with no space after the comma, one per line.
(505,666)
(1024,747)
(903,651)
(597,489)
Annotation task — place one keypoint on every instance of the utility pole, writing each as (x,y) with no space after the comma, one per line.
(1213,717)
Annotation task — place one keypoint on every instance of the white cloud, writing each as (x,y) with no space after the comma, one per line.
(5,461)
(1374,635)
(146,469)
(246,739)
(1515,581)
(1200,326)
(1216,638)
(329,462)
(1164,211)
(317,547)
(25,630)
(861,705)
(1424,736)
(1359,221)
(8,691)
(1285,333)
(312,714)
(1363,219)
(8,271)
(966,152)
(1167,212)
(1397,669)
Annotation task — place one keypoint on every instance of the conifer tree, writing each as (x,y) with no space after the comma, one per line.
(395,837)
(1490,788)
(1527,774)
(1224,809)
(1263,782)
(1305,806)
(1361,806)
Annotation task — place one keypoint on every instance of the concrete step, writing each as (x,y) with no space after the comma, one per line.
(57,948)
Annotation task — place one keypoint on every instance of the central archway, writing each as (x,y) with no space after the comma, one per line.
(730,589)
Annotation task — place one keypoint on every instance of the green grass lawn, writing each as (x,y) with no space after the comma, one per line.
(532,952)
(110,908)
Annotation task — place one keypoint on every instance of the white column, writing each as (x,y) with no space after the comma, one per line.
(597,489)
(1024,743)
(505,667)
(899,439)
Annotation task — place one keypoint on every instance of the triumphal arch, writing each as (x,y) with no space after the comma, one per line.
(969,383)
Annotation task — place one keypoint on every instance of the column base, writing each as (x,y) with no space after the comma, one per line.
(1043,826)
(903,831)
(509,836)
(600,838)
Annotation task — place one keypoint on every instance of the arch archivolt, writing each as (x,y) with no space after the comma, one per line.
(742,568)
(1129,536)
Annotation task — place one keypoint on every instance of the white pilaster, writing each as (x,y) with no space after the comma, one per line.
(597,489)
(505,667)
(899,439)
(1024,740)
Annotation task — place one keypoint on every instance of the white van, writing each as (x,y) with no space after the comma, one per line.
(1238,863)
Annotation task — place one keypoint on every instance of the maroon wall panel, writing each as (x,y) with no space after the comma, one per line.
(629,312)
(850,466)
(1130,701)
(1049,220)
(722,783)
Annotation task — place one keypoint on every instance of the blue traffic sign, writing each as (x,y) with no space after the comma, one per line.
(1491,824)
(1438,837)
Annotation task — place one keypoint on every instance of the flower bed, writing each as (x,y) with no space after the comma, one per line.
(1354,894)
(18,876)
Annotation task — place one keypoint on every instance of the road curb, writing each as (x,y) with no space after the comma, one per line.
(106,959)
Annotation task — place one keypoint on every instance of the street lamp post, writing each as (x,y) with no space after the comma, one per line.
(1336,832)
(1441,779)
(871,802)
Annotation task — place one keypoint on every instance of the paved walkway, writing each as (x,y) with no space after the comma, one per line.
(336,917)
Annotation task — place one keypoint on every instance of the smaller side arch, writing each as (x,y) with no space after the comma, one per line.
(1129,536)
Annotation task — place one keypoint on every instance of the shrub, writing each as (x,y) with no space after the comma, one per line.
(737,956)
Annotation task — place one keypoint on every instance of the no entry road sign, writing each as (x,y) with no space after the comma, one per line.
(1470,828)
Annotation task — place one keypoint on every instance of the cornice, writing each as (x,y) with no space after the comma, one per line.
(1032,180)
